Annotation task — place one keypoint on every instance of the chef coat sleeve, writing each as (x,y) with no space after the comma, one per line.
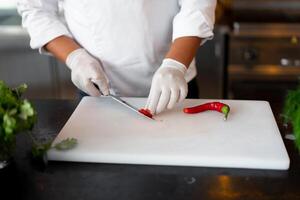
(41,19)
(195,18)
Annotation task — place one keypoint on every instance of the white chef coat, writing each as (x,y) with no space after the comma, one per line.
(129,37)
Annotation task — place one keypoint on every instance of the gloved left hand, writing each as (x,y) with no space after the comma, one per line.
(168,86)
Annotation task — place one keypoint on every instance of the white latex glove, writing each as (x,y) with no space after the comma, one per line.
(168,86)
(86,72)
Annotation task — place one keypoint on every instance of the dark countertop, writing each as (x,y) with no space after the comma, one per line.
(24,179)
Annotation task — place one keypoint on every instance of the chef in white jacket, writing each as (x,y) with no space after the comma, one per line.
(125,47)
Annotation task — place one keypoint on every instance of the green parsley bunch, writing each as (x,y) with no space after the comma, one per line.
(291,113)
(16,114)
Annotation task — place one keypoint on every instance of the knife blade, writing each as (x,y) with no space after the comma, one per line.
(133,108)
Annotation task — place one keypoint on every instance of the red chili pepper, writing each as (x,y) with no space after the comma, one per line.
(217,106)
(146,112)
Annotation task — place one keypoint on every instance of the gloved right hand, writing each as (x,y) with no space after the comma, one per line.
(86,71)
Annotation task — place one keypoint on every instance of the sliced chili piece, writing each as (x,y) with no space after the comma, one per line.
(146,112)
(217,106)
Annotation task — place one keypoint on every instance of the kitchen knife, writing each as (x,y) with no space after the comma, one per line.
(118,99)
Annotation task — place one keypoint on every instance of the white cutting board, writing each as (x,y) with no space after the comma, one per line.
(108,132)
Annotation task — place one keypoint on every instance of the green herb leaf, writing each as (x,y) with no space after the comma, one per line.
(296,128)
(9,125)
(26,110)
(38,150)
(66,144)
(20,89)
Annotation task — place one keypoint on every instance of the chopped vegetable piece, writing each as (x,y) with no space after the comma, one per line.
(146,112)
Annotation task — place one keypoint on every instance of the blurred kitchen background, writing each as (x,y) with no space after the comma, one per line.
(255,54)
